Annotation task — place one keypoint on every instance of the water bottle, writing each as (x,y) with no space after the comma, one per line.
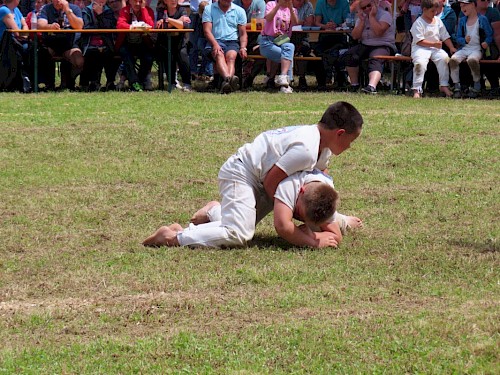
(165,19)
(34,20)
(350,20)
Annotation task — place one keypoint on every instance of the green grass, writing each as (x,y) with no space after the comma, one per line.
(84,178)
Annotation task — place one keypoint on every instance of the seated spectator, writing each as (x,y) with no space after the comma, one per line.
(491,71)
(12,19)
(429,34)
(99,49)
(374,30)
(172,16)
(63,15)
(251,68)
(224,27)
(305,15)
(474,34)
(280,17)
(330,14)
(47,75)
(25,6)
(205,71)
(136,45)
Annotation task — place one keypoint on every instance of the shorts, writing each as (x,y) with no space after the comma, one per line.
(226,45)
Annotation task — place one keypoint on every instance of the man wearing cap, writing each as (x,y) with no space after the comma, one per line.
(474,35)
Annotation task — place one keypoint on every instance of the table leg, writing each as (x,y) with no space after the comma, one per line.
(169,62)
(35,64)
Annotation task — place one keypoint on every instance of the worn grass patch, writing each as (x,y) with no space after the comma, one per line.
(85,177)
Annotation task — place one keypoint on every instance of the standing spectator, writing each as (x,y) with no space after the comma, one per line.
(250,68)
(136,46)
(429,35)
(224,27)
(99,49)
(63,15)
(330,14)
(280,18)
(172,16)
(474,35)
(374,30)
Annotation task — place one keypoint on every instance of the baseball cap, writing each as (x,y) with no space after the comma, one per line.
(467,1)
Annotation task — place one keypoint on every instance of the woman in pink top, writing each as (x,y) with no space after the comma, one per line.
(280,17)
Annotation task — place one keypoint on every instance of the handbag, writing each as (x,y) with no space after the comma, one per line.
(281,39)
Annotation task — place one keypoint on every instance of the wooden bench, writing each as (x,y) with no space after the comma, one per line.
(295,58)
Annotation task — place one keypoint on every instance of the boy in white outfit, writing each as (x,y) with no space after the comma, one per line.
(305,196)
(474,34)
(429,34)
(248,179)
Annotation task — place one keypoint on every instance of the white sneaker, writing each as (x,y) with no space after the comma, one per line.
(286,90)
(282,80)
(187,87)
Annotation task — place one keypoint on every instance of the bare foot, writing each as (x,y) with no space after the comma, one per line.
(165,236)
(353,222)
(416,94)
(445,90)
(201,216)
(176,227)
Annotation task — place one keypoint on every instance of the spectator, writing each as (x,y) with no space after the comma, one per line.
(99,49)
(305,15)
(280,17)
(26,6)
(194,50)
(329,15)
(374,30)
(135,45)
(474,35)
(429,34)
(491,71)
(116,6)
(63,15)
(11,18)
(172,16)
(250,68)
(224,27)
(205,71)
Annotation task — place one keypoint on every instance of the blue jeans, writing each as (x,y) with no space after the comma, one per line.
(275,53)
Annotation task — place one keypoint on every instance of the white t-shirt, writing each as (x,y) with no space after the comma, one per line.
(292,149)
(432,32)
(474,44)
(288,190)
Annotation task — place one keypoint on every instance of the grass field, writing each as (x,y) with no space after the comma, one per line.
(84,178)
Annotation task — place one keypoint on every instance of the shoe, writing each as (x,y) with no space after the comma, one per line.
(269,82)
(474,93)
(369,89)
(26,85)
(136,86)
(234,81)
(187,87)
(302,83)
(457,94)
(282,80)
(353,88)
(225,87)
(286,90)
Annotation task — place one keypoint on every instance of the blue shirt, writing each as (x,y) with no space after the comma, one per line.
(257,8)
(4,11)
(337,13)
(225,25)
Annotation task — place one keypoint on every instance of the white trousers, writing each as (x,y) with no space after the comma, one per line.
(473,56)
(244,203)
(421,57)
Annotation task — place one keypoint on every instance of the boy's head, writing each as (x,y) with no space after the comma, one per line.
(468,7)
(201,7)
(317,202)
(429,4)
(340,125)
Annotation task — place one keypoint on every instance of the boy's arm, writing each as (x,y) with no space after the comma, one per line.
(272,180)
(333,227)
(286,229)
(448,43)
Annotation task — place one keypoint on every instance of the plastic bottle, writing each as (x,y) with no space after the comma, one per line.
(165,19)
(34,20)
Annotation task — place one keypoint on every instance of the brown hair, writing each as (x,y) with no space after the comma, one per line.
(342,115)
(320,202)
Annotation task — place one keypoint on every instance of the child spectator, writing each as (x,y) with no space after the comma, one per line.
(474,35)
(429,34)
(251,176)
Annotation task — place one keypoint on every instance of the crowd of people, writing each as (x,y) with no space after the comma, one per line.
(220,48)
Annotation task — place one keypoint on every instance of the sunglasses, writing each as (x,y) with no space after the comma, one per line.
(367,6)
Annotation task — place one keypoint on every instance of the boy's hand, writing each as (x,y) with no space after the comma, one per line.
(325,239)
(467,39)
(438,44)
(484,45)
